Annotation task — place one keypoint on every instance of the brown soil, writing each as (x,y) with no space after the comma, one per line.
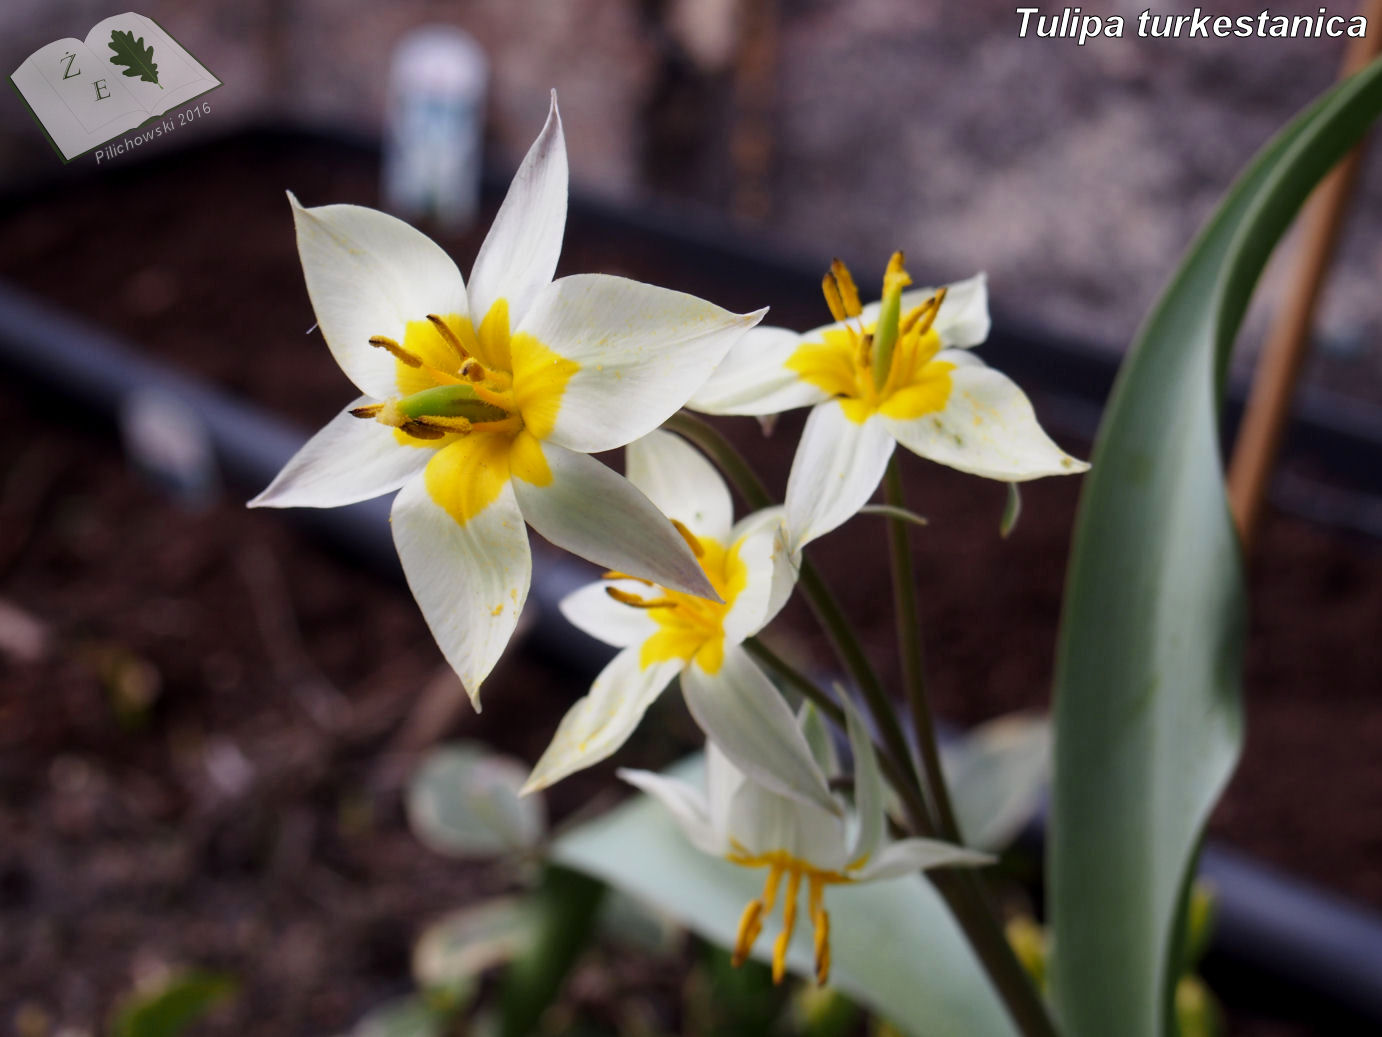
(249,818)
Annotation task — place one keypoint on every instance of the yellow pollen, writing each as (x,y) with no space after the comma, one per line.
(841,362)
(444,329)
(789,923)
(614,575)
(690,628)
(472,370)
(634,601)
(436,421)
(780,865)
(692,541)
(369,411)
(401,354)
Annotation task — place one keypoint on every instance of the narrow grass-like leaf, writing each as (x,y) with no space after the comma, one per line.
(1147,710)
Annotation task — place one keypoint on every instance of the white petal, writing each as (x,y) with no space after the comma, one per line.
(642,352)
(749,612)
(470,581)
(681,482)
(786,563)
(722,783)
(964,317)
(596,513)
(912,855)
(754,377)
(349,460)
(839,464)
(369,273)
(868,785)
(987,428)
(684,803)
(520,253)
(600,722)
(591,610)
(764,822)
(739,709)
(819,738)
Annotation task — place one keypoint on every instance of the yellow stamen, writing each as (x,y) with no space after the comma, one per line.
(634,601)
(418,430)
(494,399)
(849,292)
(384,342)
(692,541)
(445,331)
(789,923)
(437,421)
(472,370)
(614,575)
(820,922)
(923,316)
(750,925)
(368,411)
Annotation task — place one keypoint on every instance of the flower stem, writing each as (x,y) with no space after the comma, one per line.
(909,647)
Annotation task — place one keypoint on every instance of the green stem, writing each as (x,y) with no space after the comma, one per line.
(909,648)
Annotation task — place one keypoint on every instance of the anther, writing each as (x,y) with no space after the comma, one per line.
(822,924)
(445,331)
(789,923)
(369,411)
(750,925)
(472,370)
(634,601)
(692,541)
(614,575)
(445,424)
(384,342)
(418,430)
(923,316)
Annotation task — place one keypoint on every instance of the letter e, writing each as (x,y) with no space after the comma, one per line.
(100,85)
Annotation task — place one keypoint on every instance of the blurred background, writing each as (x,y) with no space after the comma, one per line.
(208,717)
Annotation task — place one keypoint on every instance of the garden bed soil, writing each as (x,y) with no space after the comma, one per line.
(202,745)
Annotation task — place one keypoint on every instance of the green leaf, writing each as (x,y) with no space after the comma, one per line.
(1147,706)
(894,945)
(463,801)
(174,1006)
(137,58)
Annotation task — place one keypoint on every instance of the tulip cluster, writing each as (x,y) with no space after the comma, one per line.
(482,403)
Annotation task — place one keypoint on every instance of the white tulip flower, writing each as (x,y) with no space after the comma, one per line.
(798,843)
(483,403)
(663,633)
(895,371)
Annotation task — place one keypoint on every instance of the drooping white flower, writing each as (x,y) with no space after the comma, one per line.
(798,843)
(482,404)
(663,633)
(895,371)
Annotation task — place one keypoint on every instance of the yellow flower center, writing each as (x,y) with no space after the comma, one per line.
(481,398)
(690,628)
(781,864)
(888,367)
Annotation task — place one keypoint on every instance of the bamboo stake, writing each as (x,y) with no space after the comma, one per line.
(1283,354)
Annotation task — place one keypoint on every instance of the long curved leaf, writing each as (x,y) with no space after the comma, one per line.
(1147,709)
(894,945)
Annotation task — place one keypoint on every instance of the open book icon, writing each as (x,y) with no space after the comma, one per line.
(126,72)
